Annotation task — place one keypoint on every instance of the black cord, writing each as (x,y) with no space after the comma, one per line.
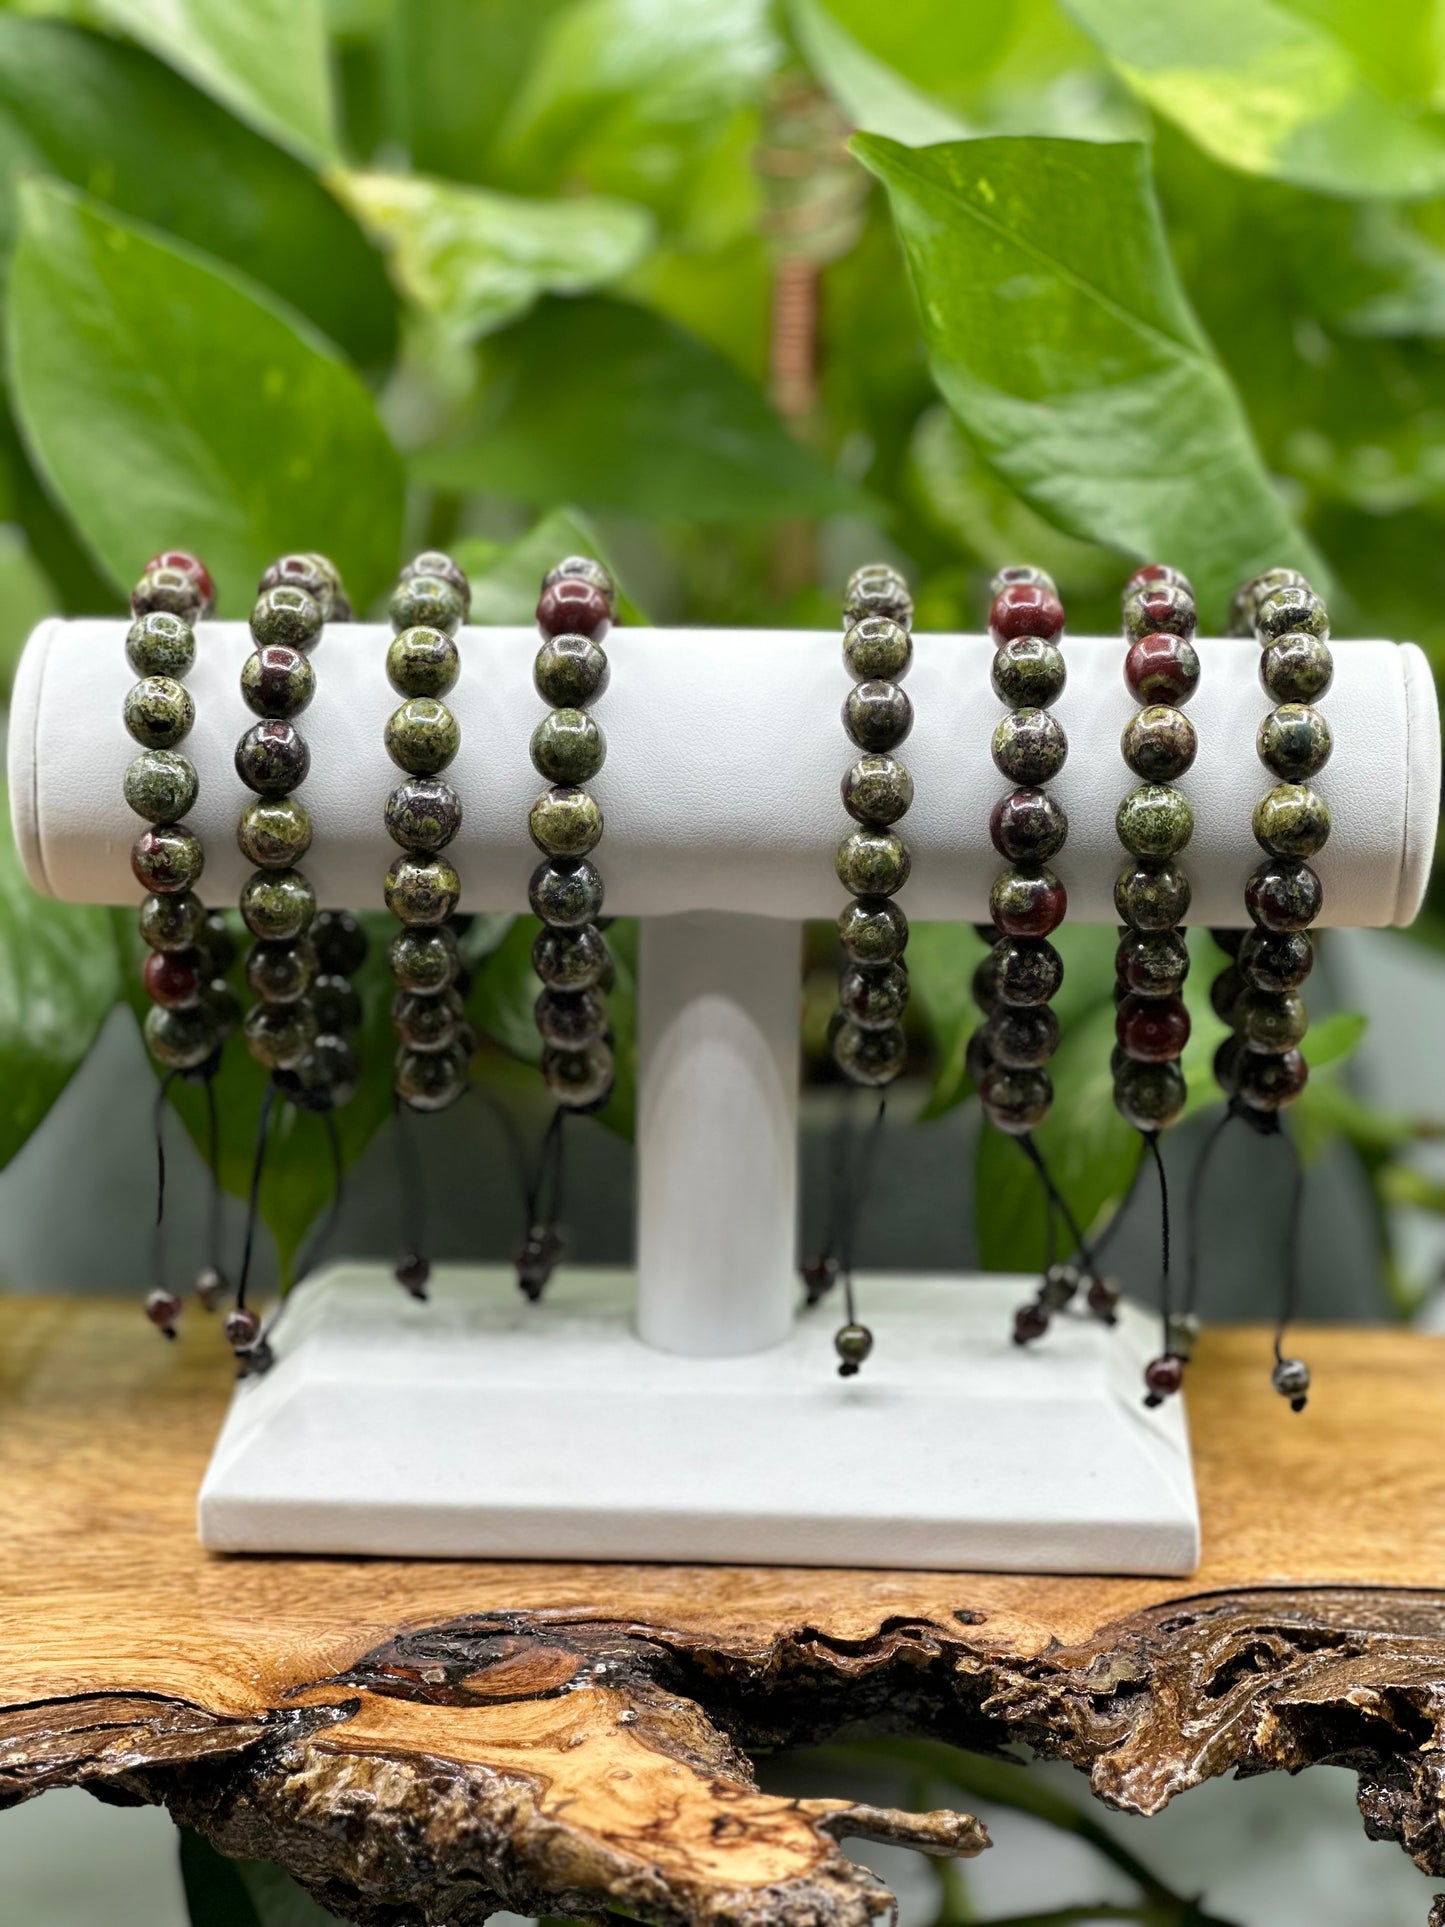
(413,1181)
(158,1231)
(1106,1236)
(213,1160)
(1151,1141)
(258,1165)
(1289,1300)
(1056,1198)
(1192,1208)
(852,1204)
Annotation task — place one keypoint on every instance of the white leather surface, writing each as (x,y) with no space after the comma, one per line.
(721,784)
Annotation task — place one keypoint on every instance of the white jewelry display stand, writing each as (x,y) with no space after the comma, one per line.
(688,1414)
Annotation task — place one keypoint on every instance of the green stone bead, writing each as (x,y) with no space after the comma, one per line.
(570,1019)
(423,662)
(182,1040)
(877,715)
(566,893)
(1152,963)
(274,832)
(872,930)
(1248,598)
(1030,747)
(1151,896)
(424,960)
(877,790)
(423,736)
(170,589)
(216,944)
(1025,971)
(877,649)
(568,747)
(427,1022)
(422,890)
(167,858)
(1154,821)
(1297,669)
(159,712)
(571,959)
(873,996)
(427,602)
(870,1056)
(877,589)
(279,1035)
(287,614)
(1159,743)
(1283,896)
(1291,820)
(1270,1023)
(1016,1101)
(565,821)
(873,863)
(277,905)
(161,785)
(1275,961)
(430,1080)
(1149,1096)
(423,814)
(570,671)
(311,573)
(172,922)
(279,973)
(1294,742)
(580,1079)
(160,644)
(1029,672)
(1290,610)
(1022,1039)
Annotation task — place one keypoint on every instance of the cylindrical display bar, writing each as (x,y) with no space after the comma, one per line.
(721,783)
(717,1132)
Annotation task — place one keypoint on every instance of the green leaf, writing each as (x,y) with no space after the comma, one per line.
(168,403)
(1274,87)
(111,119)
(1335,1038)
(868,92)
(506,579)
(26,596)
(59,978)
(1061,339)
(266,60)
(607,405)
(474,260)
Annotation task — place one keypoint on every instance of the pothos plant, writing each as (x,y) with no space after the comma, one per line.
(732,292)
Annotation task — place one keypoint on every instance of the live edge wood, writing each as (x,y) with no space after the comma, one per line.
(429,1741)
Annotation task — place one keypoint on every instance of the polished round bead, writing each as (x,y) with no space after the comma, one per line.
(272,758)
(1282,896)
(1163,1377)
(1028,672)
(274,832)
(570,959)
(422,736)
(1271,1023)
(1103,1298)
(1294,742)
(289,616)
(1025,904)
(1149,1096)
(977,1057)
(1025,609)
(873,995)
(582,568)
(566,893)
(1159,743)
(277,681)
(1250,594)
(436,562)
(1026,970)
(873,863)
(580,1079)
(877,650)
(422,662)
(1291,820)
(1152,1030)
(1060,1286)
(1276,962)
(1159,608)
(173,978)
(328,1076)
(568,747)
(160,644)
(1291,1379)
(424,960)
(430,1080)
(423,814)
(1270,1080)
(574,607)
(279,973)
(565,821)
(279,1035)
(1029,826)
(1292,610)
(166,858)
(190,565)
(1225,992)
(983,987)
(853,1345)
(570,1019)
(427,1023)
(1154,821)
(1152,963)
(277,905)
(216,944)
(1022,1038)
(869,1054)
(182,1039)
(872,930)
(1298,668)
(427,602)
(570,671)
(1016,1101)
(337,1003)
(422,890)
(1162,668)
(877,790)
(311,574)
(175,591)
(877,589)
(1029,746)
(159,712)
(1031,1322)
(171,922)
(1151,896)
(224,1002)
(1017,572)
(161,785)
(877,715)
(1150,574)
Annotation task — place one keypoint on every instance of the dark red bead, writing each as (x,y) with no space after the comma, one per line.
(1268,1081)
(1025,609)
(1030,1322)
(242,1328)
(192,566)
(1103,1298)
(1163,1376)
(573,607)
(1029,906)
(163,1308)
(172,978)
(1152,1030)
(1162,669)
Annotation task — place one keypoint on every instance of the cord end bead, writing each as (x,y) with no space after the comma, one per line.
(1163,1378)
(1291,1379)
(163,1309)
(852,1343)
(820,1274)
(412,1273)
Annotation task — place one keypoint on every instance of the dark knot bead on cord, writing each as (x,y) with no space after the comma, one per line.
(1031,1322)
(242,1328)
(536,1258)
(412,1273)
(1163,1377)
(820,1274)
(1291,1379)
(852,1343)
(163,1309)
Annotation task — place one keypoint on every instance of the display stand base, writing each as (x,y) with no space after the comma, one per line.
(480,1426)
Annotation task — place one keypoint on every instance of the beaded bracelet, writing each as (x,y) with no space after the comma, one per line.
(193,1010)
